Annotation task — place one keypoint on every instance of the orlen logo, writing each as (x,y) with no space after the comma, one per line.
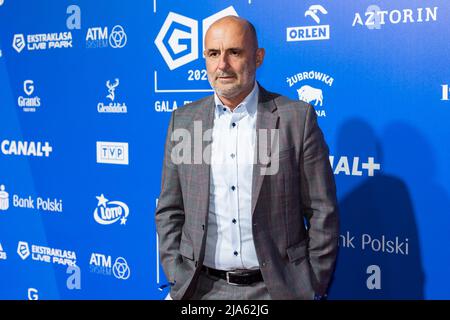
(177,41)
(109,212)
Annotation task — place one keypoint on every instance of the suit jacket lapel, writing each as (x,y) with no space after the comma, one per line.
(267,118)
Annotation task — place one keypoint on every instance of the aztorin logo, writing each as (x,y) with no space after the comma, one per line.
(313,93)
(112,107)
(177,41)
(109,212)
(374,17)
(99,37)
(308,33)
(28,103)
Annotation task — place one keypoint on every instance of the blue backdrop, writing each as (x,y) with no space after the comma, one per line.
(86,92)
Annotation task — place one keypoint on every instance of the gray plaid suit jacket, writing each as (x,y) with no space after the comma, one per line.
(295,214)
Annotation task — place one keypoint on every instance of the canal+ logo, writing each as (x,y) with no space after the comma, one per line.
(109,212)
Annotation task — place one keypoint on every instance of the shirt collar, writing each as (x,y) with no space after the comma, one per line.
(249,104)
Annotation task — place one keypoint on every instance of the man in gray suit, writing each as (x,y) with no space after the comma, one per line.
(232,224)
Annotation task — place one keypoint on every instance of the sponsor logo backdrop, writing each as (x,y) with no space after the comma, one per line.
(86,92)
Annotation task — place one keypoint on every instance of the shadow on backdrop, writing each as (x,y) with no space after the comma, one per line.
(379,250)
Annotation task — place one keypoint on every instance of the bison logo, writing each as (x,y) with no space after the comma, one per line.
(308,94)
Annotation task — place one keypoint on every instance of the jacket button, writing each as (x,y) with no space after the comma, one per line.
(264,264)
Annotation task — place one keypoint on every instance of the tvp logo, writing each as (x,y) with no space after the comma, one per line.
(177,41)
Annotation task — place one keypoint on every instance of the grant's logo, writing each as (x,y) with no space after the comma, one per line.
(33,294)
(308,33)
(28,87)
(109,212)
(28,103)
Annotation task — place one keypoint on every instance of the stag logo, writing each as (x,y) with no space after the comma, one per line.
(307,93)
(112,88)
(312,12)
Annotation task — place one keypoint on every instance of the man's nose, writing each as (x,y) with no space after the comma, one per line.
(223,62)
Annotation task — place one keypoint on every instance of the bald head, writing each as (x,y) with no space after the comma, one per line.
(243,24)
(232,57)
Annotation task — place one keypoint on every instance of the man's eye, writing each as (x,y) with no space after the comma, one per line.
(213,54)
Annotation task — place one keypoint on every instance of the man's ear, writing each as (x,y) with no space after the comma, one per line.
(260,53)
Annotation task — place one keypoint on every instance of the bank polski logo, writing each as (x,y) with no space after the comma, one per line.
(308,33)
(118,37)
(23,250)
(121,270)
(4,198)
(18,42)
(310,87)
(177,41)
(109,212)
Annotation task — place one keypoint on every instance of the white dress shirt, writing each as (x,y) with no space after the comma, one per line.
(229,242)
